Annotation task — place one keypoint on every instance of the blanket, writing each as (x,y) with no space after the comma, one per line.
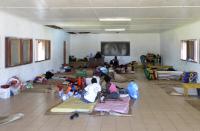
(118,106)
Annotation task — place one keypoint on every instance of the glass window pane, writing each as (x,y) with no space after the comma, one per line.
(196,51)
(40,54)
(183,51)
(189,50)
(47,50)
(26,51)
(15,52)
(42,50)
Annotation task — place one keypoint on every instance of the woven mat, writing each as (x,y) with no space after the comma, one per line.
(93,113)
(70,106)
(38,88)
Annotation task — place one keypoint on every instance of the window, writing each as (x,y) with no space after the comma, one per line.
(18,51)
(43,50)
(189,50)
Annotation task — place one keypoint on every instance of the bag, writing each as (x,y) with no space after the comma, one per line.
(133,90)
(190,77)
(49,75)
(104,70)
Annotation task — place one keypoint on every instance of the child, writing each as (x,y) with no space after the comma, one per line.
(90,92)
(88,80)
(111,89)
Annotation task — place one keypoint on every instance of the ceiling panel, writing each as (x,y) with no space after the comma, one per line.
(103,3)
(67,3)
(87,13)
(161,21)
(152,2)
(169,2)
(19,3)
(125,1)
(105,12)
(194,12)
(182,3)
(147,15)
(127,4)
(78,14)
(27,13)
(124,12)
(160,12)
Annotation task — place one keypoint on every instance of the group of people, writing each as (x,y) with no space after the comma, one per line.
(93,90)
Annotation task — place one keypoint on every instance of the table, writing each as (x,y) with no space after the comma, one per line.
(188,86)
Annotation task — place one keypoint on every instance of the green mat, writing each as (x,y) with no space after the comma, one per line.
(81,73)
(73,105)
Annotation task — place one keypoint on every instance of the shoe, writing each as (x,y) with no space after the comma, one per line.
(75,115)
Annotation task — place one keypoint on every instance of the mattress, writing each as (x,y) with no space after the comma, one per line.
(119,106)
(73,105)
(169,74)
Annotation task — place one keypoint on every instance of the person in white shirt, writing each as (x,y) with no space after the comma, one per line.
(90,92)
(88,80)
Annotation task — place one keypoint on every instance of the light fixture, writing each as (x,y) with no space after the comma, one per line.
(115,19)
(119,29)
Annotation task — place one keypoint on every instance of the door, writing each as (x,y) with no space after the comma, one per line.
(64,52)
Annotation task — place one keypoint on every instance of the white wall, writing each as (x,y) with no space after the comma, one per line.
(84,44)
(18,27)
(171,46)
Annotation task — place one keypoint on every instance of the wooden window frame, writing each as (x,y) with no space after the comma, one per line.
(8,52)
(187,50)
(49,50)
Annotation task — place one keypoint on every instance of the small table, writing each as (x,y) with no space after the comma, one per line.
(187,86)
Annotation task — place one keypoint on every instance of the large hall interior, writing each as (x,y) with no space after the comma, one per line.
(99,65)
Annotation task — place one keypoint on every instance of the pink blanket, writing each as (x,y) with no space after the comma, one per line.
(119,106)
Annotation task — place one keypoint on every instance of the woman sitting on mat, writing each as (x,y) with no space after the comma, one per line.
(111,89)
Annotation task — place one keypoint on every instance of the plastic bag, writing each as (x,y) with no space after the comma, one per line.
(104,70)
(15,85)
(133,90)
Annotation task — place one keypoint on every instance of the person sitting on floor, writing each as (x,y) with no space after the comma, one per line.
(88,79)
(98,55)
(100,71)
(91,91)
(111,89)
(114,62)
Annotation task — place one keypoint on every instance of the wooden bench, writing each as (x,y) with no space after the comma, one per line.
(188,86)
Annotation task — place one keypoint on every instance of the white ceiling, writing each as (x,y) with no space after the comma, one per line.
(82,15)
